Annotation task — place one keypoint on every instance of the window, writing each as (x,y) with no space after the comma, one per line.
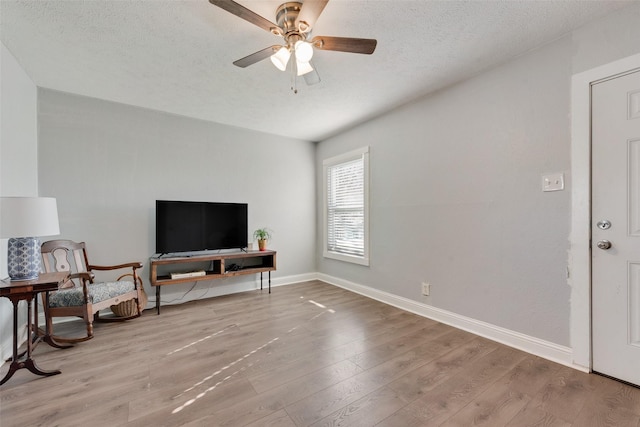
(346,210)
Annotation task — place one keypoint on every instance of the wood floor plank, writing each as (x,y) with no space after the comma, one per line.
(417,383)
(321,404)
(617,395)
(367,411)
(445,400)
(530,375)
(289,393)
(567,393)
(331,399)
(277,419)
(531,415)
(494,407)
(611,404)
(308,353)
(397,346)
(600,414)
(165,399)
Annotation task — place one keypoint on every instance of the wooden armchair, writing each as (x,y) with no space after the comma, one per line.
(81,296)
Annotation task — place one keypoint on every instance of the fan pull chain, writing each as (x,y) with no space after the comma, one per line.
(294,73)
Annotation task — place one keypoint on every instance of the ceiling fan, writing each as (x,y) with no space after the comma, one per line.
(295,22)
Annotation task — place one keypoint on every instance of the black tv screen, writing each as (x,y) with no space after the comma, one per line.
(199,226)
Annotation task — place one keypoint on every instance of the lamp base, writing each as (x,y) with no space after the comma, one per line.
(23,258)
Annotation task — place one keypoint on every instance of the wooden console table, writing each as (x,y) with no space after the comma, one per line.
(27,290)
(211,267)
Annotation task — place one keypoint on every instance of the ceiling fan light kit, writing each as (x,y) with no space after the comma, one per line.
(303,68)
(304,51)
(281,58)
(295,21)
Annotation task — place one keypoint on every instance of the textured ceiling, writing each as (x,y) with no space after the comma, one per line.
(176,55)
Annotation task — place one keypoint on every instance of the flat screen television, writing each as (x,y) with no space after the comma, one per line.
(183,226)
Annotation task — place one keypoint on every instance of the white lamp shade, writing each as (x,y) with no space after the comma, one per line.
(304,51)
(28,217)
(281,58)
(303,68)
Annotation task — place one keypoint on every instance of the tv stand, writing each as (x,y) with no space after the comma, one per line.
(209,267)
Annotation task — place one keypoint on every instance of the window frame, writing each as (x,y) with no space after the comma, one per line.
(360,153)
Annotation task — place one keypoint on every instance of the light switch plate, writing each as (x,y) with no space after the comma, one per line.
(553,182)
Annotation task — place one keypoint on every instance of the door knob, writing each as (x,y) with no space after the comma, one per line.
(604,244)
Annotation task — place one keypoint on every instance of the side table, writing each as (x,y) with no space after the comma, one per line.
(27,290)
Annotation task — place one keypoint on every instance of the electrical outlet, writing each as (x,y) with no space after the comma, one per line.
(553,182)
(426,288)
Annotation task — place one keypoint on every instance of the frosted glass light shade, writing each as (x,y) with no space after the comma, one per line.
(303,68)
(281,58)
(304,51)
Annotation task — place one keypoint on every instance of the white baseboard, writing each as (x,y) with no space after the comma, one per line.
(545,349)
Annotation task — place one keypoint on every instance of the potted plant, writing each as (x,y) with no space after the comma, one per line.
(262,235)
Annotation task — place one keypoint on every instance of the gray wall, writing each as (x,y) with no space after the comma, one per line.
(456,194)
(107,163)
(18,162)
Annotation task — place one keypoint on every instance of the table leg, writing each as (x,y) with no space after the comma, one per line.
(29,328)
(28,363)
(261,280)
(269,281)
(158,300)
(14,360)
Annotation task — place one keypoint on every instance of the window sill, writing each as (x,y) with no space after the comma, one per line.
(346,258)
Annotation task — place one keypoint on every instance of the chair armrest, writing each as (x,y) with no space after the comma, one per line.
(137,281)
(133,265)
(86,275)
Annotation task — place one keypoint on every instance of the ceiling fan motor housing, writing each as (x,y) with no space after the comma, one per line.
(286,16)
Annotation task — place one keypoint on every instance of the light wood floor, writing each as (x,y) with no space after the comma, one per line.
(308,354)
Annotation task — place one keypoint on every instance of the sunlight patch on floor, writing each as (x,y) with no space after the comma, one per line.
(201,340)
(213,387)
(235,362)
(218,372)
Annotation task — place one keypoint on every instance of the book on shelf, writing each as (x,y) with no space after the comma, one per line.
(188,274)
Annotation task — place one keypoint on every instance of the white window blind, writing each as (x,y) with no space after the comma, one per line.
(346,207)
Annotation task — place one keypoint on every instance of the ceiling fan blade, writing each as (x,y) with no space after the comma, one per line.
(244,13)
(310,11)
(257,56)
(345,44)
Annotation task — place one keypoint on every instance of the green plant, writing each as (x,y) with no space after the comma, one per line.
(262,234)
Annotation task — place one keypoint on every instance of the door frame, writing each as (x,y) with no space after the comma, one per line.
(579,263)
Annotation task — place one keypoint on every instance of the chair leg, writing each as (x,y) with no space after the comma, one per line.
(57,338)
(90,328)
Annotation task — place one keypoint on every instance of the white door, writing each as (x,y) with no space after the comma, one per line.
(615,219)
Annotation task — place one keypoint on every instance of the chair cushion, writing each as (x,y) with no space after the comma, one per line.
(98,292)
